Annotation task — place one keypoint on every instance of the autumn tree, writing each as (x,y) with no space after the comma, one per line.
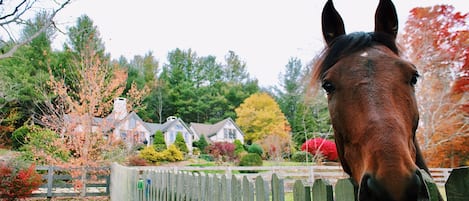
(436,41)
(72,113)
(260,118)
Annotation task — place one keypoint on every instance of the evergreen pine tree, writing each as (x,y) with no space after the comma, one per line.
(158,141)
(181,143)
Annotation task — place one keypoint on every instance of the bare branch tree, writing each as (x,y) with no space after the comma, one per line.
(17,13)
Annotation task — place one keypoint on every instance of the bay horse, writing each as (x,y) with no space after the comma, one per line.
(372,105)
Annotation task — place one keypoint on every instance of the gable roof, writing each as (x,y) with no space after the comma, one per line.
(209,130)
(153,127)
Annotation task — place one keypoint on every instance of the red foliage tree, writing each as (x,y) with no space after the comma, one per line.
(321,146)
(436,40)
(19,183)
(222,150)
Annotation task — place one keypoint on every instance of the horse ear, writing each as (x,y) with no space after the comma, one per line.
(386,18)
(332,24)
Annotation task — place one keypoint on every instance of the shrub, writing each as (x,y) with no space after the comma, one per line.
(137,161)
(201,144)
(17,181)
(180,143)
(250,159)
(43,146)
(321,146)
(18,137)
(239,148)
(173,154)
(222,150)
(255,148)
(206,157)
(301,156)
(151,155)
(158,141)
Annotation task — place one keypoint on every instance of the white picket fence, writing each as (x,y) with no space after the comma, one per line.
(124,178)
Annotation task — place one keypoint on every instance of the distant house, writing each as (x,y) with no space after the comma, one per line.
(223,131)
(130,128)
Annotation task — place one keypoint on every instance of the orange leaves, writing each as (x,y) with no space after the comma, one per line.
(436,40)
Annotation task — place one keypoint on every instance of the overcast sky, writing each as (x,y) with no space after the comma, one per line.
(264,33)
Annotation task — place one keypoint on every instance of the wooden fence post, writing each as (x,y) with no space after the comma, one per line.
(50,180)
(344,190)
(301,192)
(278,193)
(262,194)
(458,184)
(322,191)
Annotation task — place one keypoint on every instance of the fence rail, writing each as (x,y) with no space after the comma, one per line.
(271,183)
(58,182)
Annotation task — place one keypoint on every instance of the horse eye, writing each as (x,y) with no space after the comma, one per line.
(329,87)
(413,80)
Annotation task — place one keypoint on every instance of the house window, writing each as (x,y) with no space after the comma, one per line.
(172,137)
(132,123)
(232,134)
(229,133)
(123,135)
(178,127)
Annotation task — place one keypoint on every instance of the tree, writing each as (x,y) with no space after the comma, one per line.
(72,113)
(259,116)
(196,89)
(291,93)
(180,143)
(435,40)
(22,77)
(14,13)
(158,141)
(306,113)
(201,144)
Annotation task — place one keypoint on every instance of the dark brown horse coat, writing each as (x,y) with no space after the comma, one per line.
(372,107)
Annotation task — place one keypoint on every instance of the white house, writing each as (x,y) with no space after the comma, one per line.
(223,131)
(130,128)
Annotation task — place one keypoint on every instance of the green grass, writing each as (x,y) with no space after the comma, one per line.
(3,151)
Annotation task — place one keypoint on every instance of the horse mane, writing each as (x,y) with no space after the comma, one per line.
(346,45)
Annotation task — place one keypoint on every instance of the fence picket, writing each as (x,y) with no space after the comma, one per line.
(172,184)
(235,189)
(458,184)
(277,189)
(301,192)
(344,190)
(322,191)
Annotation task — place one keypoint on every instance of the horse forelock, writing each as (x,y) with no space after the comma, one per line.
(346,45)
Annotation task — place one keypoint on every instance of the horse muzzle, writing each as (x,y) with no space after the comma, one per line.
(371,189)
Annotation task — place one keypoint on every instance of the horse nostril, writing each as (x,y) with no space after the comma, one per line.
(371,190)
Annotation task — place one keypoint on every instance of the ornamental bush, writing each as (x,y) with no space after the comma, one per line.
(181,143)
(171,154)
(158,141)
(18,181)
(250,159)
(321,146)
(302,156)
(255,148)
(223,151)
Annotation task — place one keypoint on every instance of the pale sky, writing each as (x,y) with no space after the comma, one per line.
(263,33)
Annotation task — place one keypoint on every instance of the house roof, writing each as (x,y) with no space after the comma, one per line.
(153,127)
(211,129)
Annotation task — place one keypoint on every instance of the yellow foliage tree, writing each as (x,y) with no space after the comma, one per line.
(260,118)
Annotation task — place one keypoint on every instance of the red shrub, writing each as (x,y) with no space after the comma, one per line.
(18,183)
(325,147)
(223,150)
(137,161)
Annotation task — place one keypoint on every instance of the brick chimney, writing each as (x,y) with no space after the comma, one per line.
(120,108)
